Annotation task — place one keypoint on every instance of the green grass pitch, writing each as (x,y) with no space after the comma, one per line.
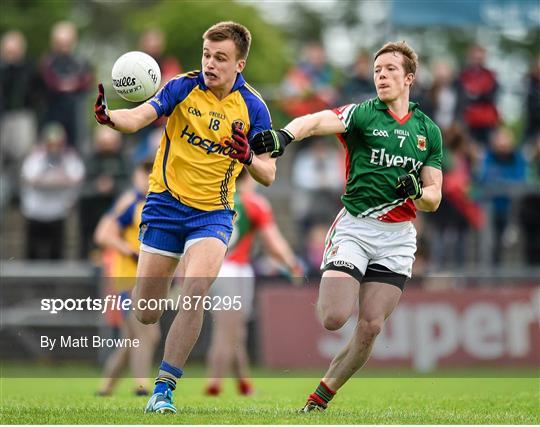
(364,400)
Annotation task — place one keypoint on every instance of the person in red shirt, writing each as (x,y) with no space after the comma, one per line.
(236,279)
(478,89)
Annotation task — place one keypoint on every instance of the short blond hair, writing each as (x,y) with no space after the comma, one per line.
(228,30)
(410,58)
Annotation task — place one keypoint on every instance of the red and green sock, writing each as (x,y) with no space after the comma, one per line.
(322,395)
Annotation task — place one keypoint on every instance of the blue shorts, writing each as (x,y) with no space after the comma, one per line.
(168,225)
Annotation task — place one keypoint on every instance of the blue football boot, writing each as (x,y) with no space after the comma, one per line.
(161,403)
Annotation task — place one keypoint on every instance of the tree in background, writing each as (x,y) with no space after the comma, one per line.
(102,24)
(184,25)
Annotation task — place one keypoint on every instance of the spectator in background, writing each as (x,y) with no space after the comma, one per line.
(532,127)
(458,213)
(51,175)
(503,166)
(19,90)
(317,175)
(310,85)
(477,96)
(107,174)
(67,78)
(530,208)
(153,42)
(359,85)
(440,101)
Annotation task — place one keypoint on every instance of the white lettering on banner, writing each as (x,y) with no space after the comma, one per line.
(436,334)
(329,345)
(518,318)
(427,332)
(483,331)
(395,335)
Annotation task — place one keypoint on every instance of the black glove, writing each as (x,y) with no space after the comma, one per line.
(409,185)
(241,150)
(271,141)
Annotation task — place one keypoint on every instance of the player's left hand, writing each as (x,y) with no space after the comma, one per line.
(241,150)
(409,185)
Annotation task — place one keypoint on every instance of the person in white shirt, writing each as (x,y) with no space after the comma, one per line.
(51,174)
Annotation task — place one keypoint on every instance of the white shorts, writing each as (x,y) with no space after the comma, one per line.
(356,243)
(236,280)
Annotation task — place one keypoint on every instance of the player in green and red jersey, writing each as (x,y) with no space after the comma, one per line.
(394,156)
(236,280)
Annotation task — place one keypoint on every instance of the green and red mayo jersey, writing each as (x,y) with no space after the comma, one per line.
(380,147)
(253,213)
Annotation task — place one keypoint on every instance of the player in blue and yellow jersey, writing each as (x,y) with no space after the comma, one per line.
(117,233)
(212,114)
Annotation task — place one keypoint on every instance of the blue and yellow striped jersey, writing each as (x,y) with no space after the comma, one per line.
(192,162)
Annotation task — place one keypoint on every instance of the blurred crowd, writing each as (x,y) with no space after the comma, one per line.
(491,189)
(56,163)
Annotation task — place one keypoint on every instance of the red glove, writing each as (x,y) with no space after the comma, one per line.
(241,150)
(101,111)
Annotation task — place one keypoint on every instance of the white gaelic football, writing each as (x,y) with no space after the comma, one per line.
(136,76)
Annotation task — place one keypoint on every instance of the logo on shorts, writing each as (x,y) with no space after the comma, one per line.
(421,142)
(334,250)
(222,234)
(142,231)
(343,264)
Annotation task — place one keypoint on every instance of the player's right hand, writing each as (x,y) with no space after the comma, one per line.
(101,110)
(271,141)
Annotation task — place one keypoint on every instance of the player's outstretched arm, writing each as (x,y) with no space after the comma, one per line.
(277,246)
(124,120)
(274,141)
(133,119)
(431,189)
(322,123)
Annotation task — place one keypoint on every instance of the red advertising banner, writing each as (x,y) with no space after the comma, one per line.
(494,326)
